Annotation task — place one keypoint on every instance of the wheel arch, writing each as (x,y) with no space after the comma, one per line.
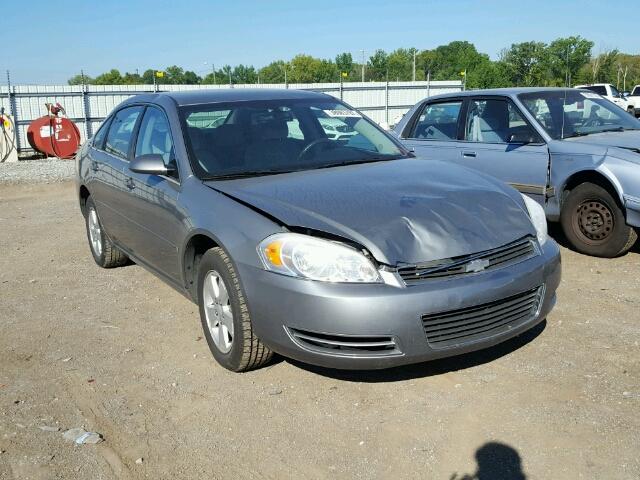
(195,246)
(83,195)
(597,178)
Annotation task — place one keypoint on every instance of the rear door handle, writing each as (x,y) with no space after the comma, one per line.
(468,154)
(130,184)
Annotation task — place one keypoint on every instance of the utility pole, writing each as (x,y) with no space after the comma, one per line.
(213,70)
(362,65)
(82,76)
(414,65)
(229,76)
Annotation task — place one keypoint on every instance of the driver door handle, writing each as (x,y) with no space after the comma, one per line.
(468,154)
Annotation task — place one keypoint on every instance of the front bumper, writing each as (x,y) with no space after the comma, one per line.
(282,306)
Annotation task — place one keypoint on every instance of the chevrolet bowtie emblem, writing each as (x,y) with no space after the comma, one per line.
(477,265)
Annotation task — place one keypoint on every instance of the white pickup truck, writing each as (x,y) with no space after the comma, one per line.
(634,99)
(611,93)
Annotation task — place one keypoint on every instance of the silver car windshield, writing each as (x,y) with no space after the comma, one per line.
(230,140)
(572,113)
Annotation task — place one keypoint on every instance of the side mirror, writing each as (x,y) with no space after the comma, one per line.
(151,163)
(523,138)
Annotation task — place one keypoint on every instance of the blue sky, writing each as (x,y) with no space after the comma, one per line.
(50,41)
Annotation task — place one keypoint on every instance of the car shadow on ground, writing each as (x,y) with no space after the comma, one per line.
(427,369)
(555,232)
(496,461)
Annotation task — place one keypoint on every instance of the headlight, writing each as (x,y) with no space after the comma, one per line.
(308,257)
(538,218)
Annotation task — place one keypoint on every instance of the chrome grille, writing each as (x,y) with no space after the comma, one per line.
(491,259)
(465,325)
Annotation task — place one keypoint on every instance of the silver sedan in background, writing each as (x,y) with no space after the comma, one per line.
(574,152)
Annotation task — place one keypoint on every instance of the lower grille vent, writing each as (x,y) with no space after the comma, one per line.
(345,344)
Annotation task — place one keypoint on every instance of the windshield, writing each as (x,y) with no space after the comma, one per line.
(572,113)
(275,136)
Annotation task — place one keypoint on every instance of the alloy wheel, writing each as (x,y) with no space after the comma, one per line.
(217,309)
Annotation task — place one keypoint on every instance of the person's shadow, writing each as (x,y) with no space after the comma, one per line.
(496,461)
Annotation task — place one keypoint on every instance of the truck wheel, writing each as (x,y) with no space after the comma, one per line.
(104,252)
(594,222)
(226,320)
(632,111)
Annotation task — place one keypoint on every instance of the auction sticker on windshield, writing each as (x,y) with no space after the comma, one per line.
(342,113)
(590,95)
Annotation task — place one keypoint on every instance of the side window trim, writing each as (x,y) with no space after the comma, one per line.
(462,133)
(105,126)
(137,133)
(134,133)
(407,134)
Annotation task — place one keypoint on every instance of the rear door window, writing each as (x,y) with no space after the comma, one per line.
(438,121)
(496,121)
(118,141)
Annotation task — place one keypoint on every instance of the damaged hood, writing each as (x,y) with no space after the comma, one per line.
(403,211)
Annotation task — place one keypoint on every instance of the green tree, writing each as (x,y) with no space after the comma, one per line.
(191,78)
(80,79)
(147,76)
(131,79)
(400,64)
(273,73)
(377,66)
(527,63)
(344,63)
(112,77)
(566,56)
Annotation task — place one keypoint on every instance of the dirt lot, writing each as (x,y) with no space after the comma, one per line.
(120,353)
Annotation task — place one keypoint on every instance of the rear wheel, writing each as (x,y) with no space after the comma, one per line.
(225,316)
(632,111)
(104,252)
(594,223)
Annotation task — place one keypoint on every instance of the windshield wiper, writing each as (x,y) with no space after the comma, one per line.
(255,173)
(614,129)
(372,159)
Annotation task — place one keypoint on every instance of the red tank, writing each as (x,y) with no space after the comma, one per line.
(54,135)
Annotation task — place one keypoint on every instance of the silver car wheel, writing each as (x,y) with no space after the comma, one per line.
(95,233)
(217,310)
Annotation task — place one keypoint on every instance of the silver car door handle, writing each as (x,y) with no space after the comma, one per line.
(130,184)
(94,166)
(468,154)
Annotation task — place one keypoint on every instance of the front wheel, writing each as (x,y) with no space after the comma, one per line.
(225,316)
(632,111)
(594,223)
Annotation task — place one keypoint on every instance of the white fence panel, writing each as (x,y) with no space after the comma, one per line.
(88,105)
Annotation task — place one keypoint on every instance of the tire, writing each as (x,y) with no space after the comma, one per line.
(231,339)
(632,111)
(594,223)
(104,252)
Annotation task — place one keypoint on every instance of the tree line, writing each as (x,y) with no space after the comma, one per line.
(564,61)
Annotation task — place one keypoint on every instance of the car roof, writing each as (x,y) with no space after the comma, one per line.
(195,97)
(508,92)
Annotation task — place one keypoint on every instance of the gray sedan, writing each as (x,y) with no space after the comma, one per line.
(345,252)
(576,153)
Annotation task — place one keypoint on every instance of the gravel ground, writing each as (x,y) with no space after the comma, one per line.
(37,171)
(120,353)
